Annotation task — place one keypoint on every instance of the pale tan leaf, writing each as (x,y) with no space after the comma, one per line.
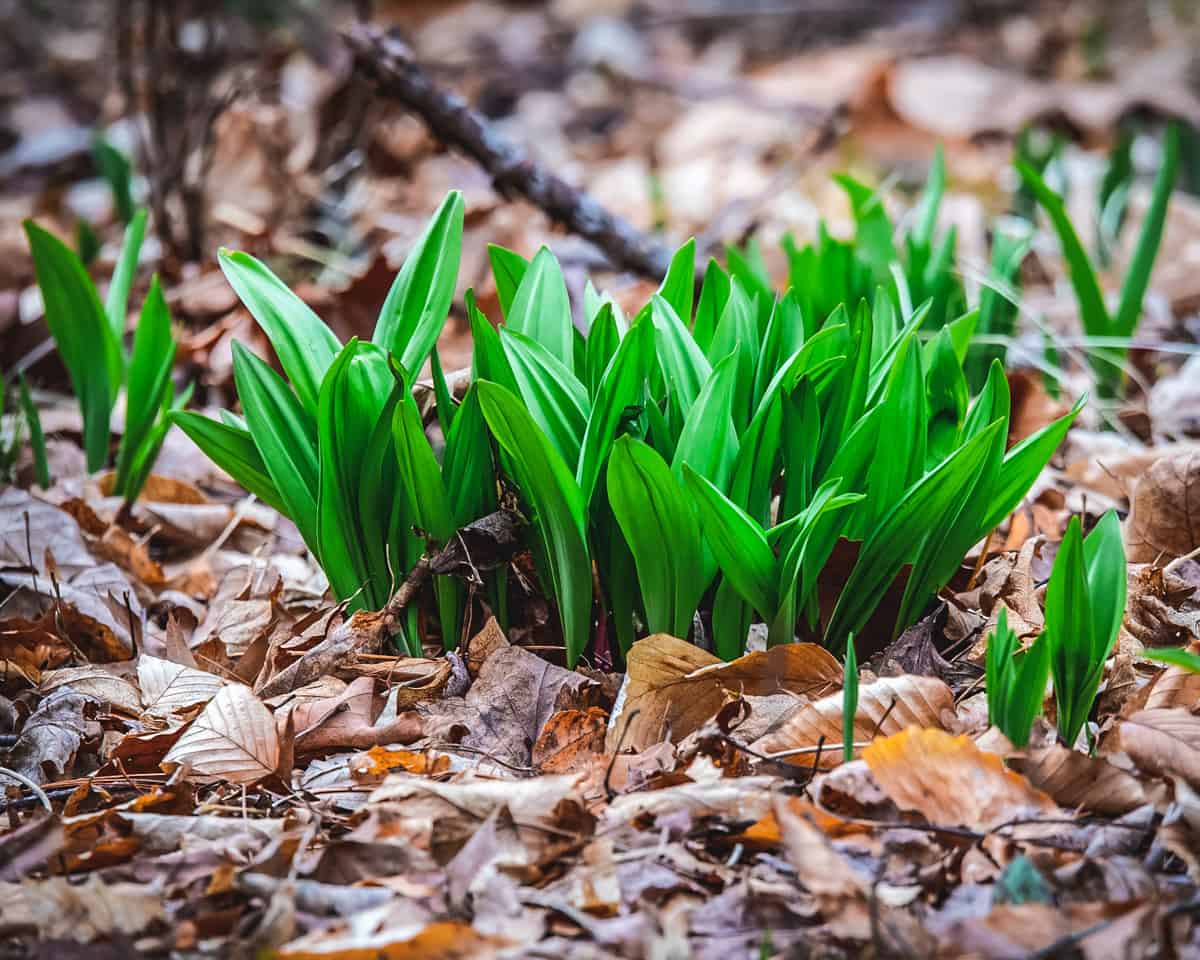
(1074,779)
(1174,687)
(951,782)
(885,706)
(393,931)
(233,739)
(169,687)
(1164,741)
(96,681)
(673,688)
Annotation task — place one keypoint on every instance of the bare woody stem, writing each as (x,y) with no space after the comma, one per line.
(389,63)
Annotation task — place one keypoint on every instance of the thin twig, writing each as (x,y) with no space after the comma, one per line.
(389,62)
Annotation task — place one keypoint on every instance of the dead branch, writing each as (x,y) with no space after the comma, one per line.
(388,61)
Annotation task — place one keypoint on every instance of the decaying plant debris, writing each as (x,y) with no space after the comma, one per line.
(838,596)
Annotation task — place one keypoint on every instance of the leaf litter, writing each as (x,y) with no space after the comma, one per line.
(200,755)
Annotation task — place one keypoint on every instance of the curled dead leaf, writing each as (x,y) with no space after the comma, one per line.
(673,687)
(950,781)
(885,706)
(1164,742)
(1074,779)
(1164,510)
(233,739)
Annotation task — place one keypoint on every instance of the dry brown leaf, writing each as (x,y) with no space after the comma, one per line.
(64,909)
(570,740)
(840,893)
(1074,779)
(45,749)
(951,782)
(169,688)
(348,720)
(885,706)
(1175,687)
(1164,742)
(233,739)
(1164,510)
(675,687)
(389,931)
(95,681)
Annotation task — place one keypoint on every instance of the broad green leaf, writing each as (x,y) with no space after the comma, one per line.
(661,529)
(684,366)
(233,450)
(149,377)
(353,398)
(508,269)
(619,395)
(488,360)
(731,617)
(304,344)
(1174,657)
(1068,622)
(559,510)
(81,331)
(891,542)
(714,293)
(602,342)
(554,397)
(708,443)
(443,401)
(541,311)
(1104,559)
(467,467)
(737,335)
(903,423)
(1021,467)
(116,304)
(418,302)
(739,544)
(874,228)
(286,436)
(679,285)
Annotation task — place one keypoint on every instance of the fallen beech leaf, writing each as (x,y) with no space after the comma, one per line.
(29,528)
(675,687)
(515,694)
(168,688)
(1164,742)
(67,909)
(885,706)
(740,798)
(1164,510)
(348,721)
(389,932)
(1026,929)
(950,781)
(840,894)
(570,740)
(379,761)
(94,681)
(233,739)
(45,749)
(1174,687)
(1074,779)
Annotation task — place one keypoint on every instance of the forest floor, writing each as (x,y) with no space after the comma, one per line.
(327,797)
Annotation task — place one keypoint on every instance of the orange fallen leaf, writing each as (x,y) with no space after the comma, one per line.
(950,781)
(570,740)
(380,760)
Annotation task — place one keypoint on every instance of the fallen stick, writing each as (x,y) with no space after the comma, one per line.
(388,61)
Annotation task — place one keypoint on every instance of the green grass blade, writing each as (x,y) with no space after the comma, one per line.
(1137,278)
(37,437)
(849,700)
